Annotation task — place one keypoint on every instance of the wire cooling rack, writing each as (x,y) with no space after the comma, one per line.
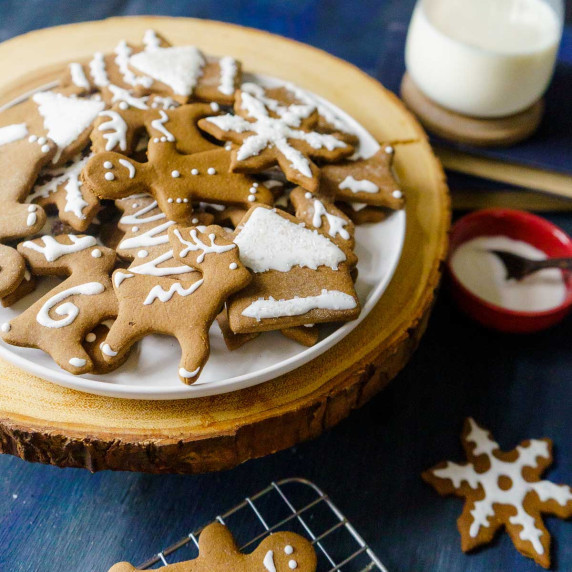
(296,505)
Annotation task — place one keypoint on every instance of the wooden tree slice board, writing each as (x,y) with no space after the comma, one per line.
(496,132)
(43,422)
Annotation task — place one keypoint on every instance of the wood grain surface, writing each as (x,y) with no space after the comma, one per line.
(40,421)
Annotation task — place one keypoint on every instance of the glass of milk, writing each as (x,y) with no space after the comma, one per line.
(484,58)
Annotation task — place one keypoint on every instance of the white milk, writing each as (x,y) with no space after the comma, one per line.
(482,273)
(485,58)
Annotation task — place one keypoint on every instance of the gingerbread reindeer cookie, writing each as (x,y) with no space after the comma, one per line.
(370,181)
(301,276)
(59,321)
(262,138)
(174,180)
(218,552)
(178,293)
(503,489)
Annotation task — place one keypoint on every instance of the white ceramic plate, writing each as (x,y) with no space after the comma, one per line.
(151,370)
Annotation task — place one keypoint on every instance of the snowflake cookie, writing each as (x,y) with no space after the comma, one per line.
(503,489)
(218,552)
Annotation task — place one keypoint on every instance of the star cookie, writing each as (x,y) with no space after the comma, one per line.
(503,489)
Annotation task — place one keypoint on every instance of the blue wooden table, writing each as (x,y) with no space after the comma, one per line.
(519,387)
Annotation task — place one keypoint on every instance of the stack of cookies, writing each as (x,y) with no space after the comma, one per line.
(167,193)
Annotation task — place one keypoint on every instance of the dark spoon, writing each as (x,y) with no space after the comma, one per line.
(518,267)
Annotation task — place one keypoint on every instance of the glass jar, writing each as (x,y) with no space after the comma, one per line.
(484,58)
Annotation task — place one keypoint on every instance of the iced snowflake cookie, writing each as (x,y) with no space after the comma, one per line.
(178,293)
(180,72)
(218,552)
(263,138)
(503,489)
(59,321)
(300,275)
(175,180)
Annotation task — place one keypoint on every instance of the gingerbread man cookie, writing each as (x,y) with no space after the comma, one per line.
(218,552)
(370,181)
(59,321)
(263,139)
(120,128)
(300,275)
(174,180)
(503,489)
(178,293)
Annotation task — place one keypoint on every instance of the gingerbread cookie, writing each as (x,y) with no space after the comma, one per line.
(174,180)
(318,212)
(300,275)
(25,287)
(262,139)
(12,269)
(22,155)
(307,335)
(59,321)
(503,489)
(178,293)
(142,230)
(218,552)
(63,189)
(370,181)
(120,128)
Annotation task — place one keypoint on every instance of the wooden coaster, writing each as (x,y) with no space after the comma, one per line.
(43,422)
(497,132)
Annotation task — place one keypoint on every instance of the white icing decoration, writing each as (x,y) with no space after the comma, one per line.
(271,308)
(129,166)
(124,96)
(489,482)
(159,293)
(143,254)
(175,174)
(106,349)
(178,67)
(196,245)
(397,194)
(358,186)
(215,106)
(292,564)
(68,309)
(159,125)
(75,203)
(109,176)
(122,55)
(188,374)
(77,362)
(12,133)
(108,165)
(98,71)
(119,277)
(288,549)
(151,268)
(151,41)
(228,71)
(269,561)
(117,130)
(336,223)
(271,132)
(6,327)
(211,171)
(31,219)
(164,102)
(233,265)
(52,249)
(66,118)
(269,241)
(91,337)
(96,253)
(78,76)
(194,171)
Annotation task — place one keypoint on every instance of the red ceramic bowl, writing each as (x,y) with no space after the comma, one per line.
(518,225)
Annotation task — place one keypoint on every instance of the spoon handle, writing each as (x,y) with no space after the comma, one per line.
(562,263)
